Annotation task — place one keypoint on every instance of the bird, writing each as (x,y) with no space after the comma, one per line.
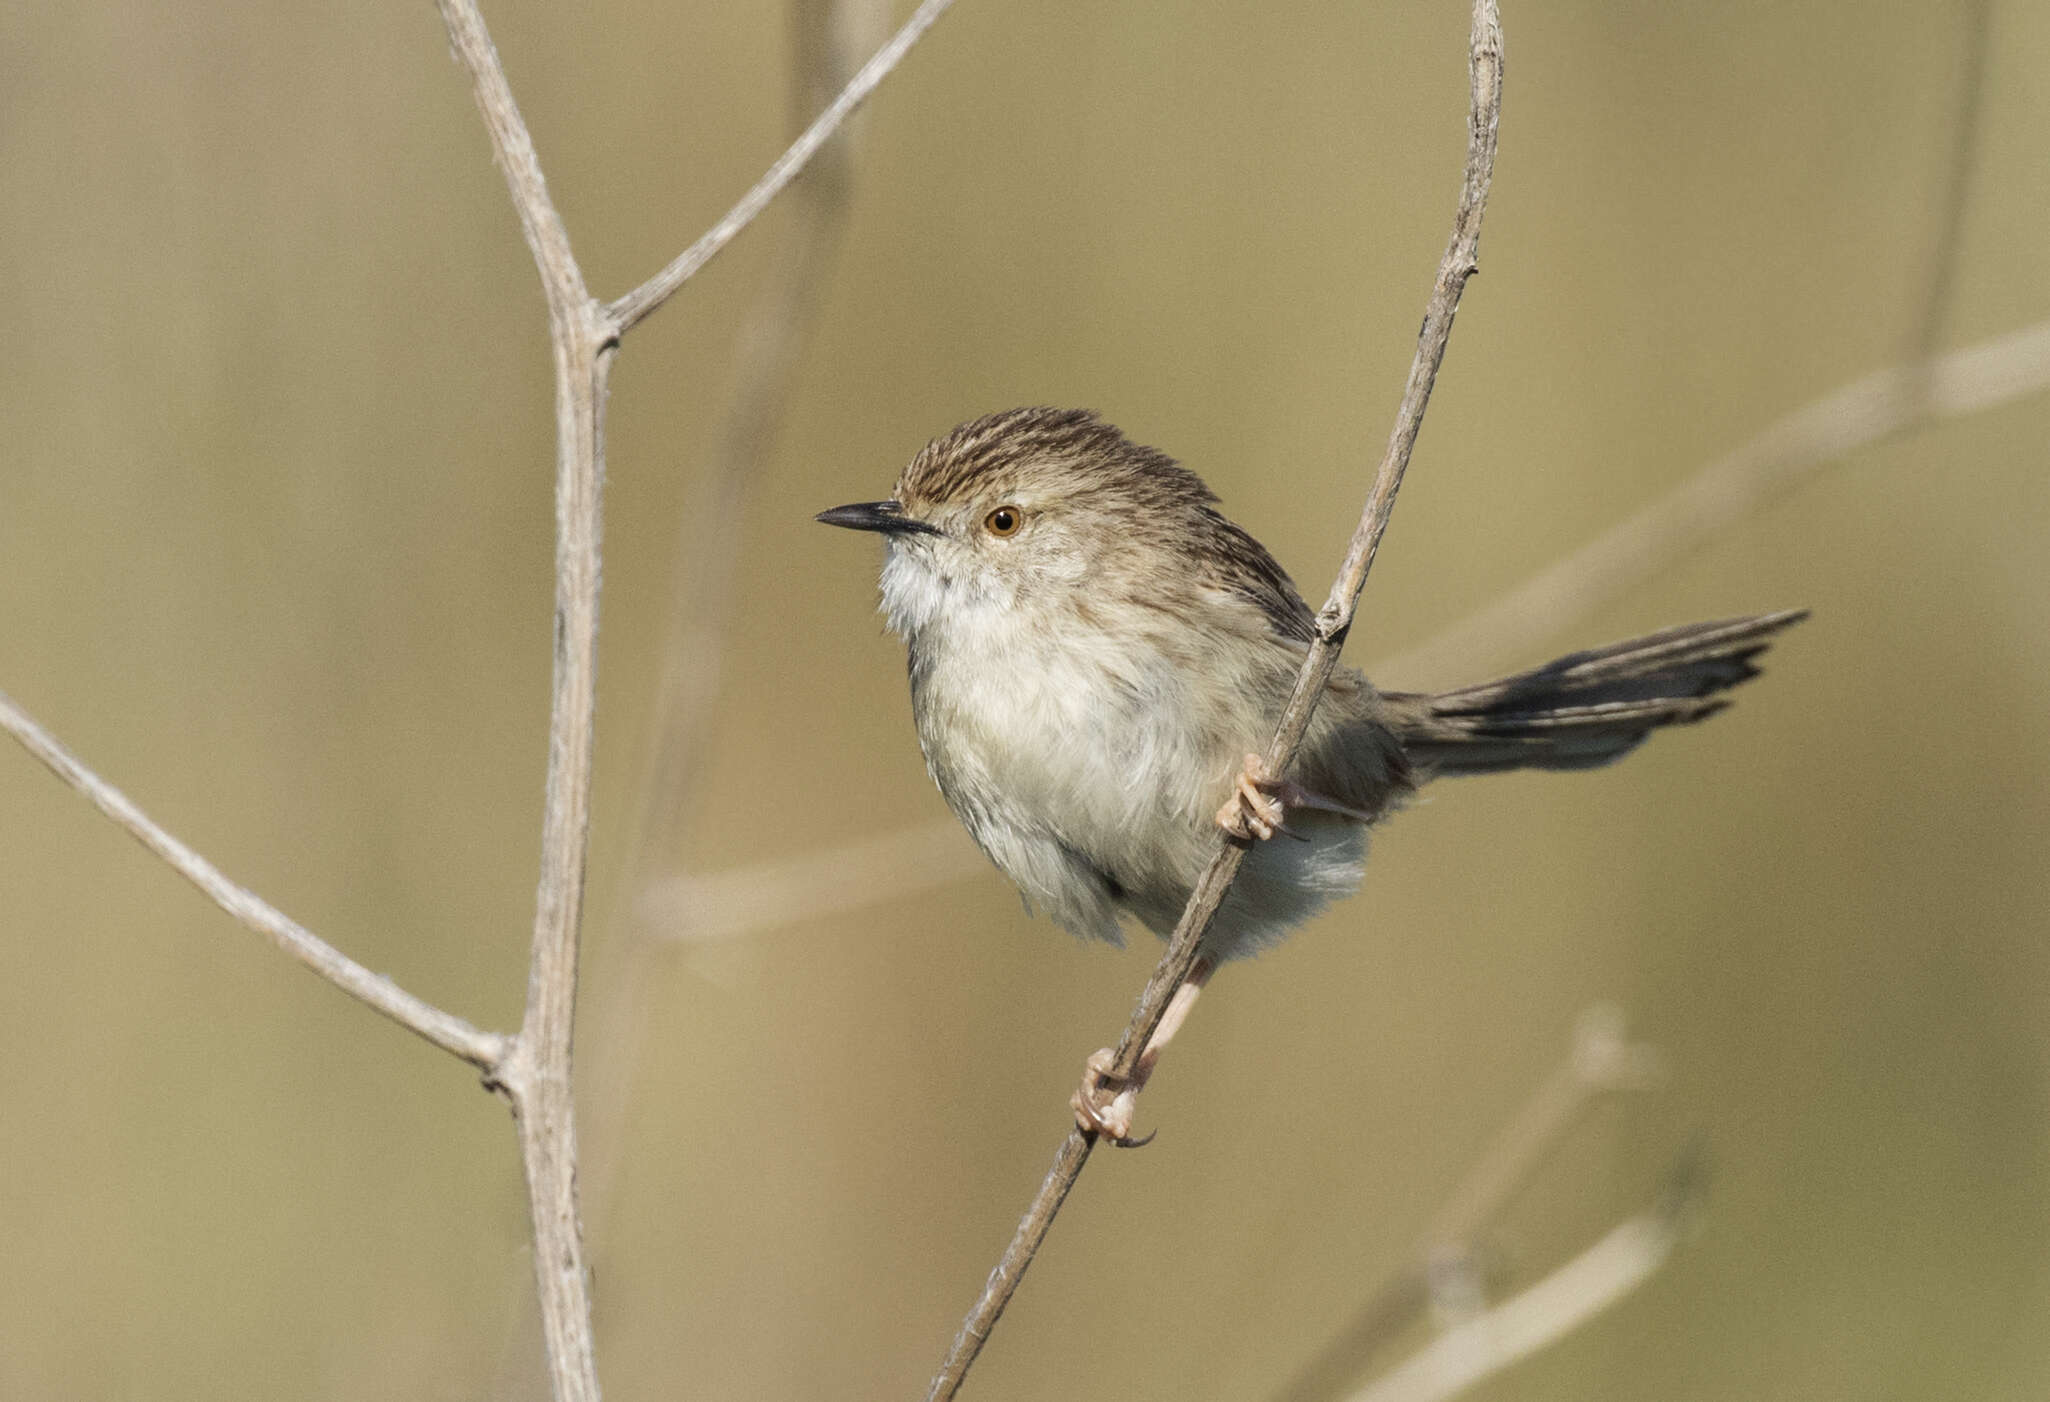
(1097,655)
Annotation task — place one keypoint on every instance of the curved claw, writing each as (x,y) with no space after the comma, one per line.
(1104,1127)
(1103,1103)
(1254,811)
(1258,805)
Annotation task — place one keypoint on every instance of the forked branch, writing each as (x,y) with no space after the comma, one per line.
(1484,62)
(630,310)
(767,353)
(531,1069)
(1540,1316)
(585,335)
(1446,1269)
(536,1076)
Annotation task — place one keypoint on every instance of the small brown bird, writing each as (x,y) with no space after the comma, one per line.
(1097,654)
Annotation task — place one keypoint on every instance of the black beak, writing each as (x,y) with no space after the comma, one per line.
(884,516)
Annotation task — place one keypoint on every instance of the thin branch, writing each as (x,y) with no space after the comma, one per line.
(833,880)
(484,1050)
(629,311)
(536,1076)
(513,148)
(1484,62)
(532,1069)
(1961,159)
(768,350)
(1727,490)
(1576,1292)
(1922,388)
(1599,1062)
(543,1103)
(766,354)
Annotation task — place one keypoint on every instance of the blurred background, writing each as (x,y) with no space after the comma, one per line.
(275,554)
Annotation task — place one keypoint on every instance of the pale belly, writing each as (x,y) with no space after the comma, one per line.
(1092,778)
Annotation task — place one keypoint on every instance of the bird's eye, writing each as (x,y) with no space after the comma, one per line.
(1004,521)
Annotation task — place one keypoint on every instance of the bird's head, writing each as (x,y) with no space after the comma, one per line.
(1030,513)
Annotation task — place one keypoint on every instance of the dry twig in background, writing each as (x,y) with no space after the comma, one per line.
(784,890)
(1599,1062)
(481,1049)
(628,311)
(1548,1311)
(1948,236)
(1922,388)
(1733,487)
(825,36)
(1484,62)
(535,1076)
(532,1068)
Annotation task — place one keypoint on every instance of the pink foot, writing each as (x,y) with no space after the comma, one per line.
(1103,1103)
(1259,805)
(1253,810)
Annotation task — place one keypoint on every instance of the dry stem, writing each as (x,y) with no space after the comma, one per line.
(1576,1292)
(532,1069)
(767,353)
(1948,236)
(783,890)
(629,310)
(536,1076)
(1600,1061)
(767,349)
(481,1049)
(1730,488)
(1457,265)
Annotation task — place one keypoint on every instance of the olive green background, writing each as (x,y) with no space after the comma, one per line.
(275,556)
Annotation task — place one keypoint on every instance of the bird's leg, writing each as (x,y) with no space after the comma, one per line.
(1258,804)
(1104,1103)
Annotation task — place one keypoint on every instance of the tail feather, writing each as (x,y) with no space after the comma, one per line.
(1586,708)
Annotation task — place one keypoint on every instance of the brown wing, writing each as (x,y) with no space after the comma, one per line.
(1243,566)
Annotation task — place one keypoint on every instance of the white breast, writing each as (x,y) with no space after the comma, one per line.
(1073,752)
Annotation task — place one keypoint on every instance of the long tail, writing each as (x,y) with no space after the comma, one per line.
(1587,708)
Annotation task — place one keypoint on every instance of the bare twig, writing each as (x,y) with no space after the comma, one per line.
(483,1050)
(536,1076)
(728,904)
(1457,265)
(1484,1343)
(630,310)
(772,337)
(1535,1319)
(767,351)
(1730,488)
(1599,1061)
(1948,237)
(536,1073)
(533,1068)
(1921,389)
